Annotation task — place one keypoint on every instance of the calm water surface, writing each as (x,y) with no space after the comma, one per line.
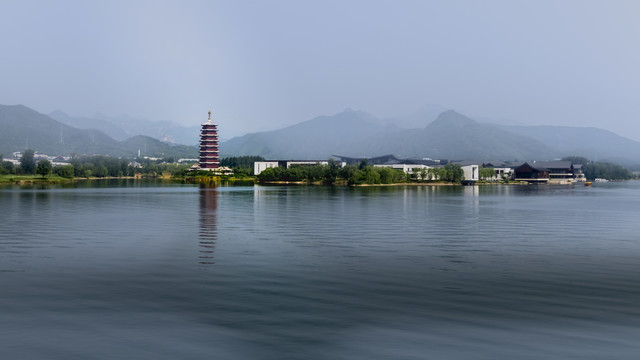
(107,270)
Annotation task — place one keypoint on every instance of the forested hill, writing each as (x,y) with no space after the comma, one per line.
(22,127)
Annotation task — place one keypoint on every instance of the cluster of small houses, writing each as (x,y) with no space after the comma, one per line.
(55,160)
(551,172)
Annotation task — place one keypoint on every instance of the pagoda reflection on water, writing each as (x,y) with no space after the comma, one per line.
(208,234)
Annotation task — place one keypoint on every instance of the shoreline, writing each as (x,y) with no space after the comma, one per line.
(439,183)
(28,180)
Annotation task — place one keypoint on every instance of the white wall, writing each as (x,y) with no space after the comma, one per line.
(260,166)
(471,172)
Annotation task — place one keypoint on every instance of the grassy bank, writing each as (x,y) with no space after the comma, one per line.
(217,180)
(32,179)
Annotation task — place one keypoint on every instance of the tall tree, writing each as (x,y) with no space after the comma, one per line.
(486,173)
(44,168)
(7,167)
(65,171)
(27,162)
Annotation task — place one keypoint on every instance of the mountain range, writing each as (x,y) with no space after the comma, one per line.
(353,133)
(450,136)
(124,127)
(22,128)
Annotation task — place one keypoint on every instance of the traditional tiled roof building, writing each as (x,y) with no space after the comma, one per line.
(545,171)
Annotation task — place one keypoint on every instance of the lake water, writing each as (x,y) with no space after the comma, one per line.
(131,270)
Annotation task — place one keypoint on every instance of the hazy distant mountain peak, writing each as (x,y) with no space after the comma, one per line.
(453,118)
(359,113)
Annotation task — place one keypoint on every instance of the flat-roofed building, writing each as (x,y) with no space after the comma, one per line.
(260,166)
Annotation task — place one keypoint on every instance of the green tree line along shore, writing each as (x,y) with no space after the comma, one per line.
(97,166)
(242,166)
(363,173)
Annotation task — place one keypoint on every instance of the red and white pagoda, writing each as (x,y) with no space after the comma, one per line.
(209,157)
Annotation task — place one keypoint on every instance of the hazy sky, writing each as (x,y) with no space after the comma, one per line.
(264,64)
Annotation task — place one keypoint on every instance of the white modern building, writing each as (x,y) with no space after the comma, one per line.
(260,166)
(471,172)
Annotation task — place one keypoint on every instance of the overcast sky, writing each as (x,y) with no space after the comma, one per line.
(262,65)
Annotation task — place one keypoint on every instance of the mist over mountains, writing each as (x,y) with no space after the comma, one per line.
(22,128)
(450,136)
(123,127)
(355,133)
